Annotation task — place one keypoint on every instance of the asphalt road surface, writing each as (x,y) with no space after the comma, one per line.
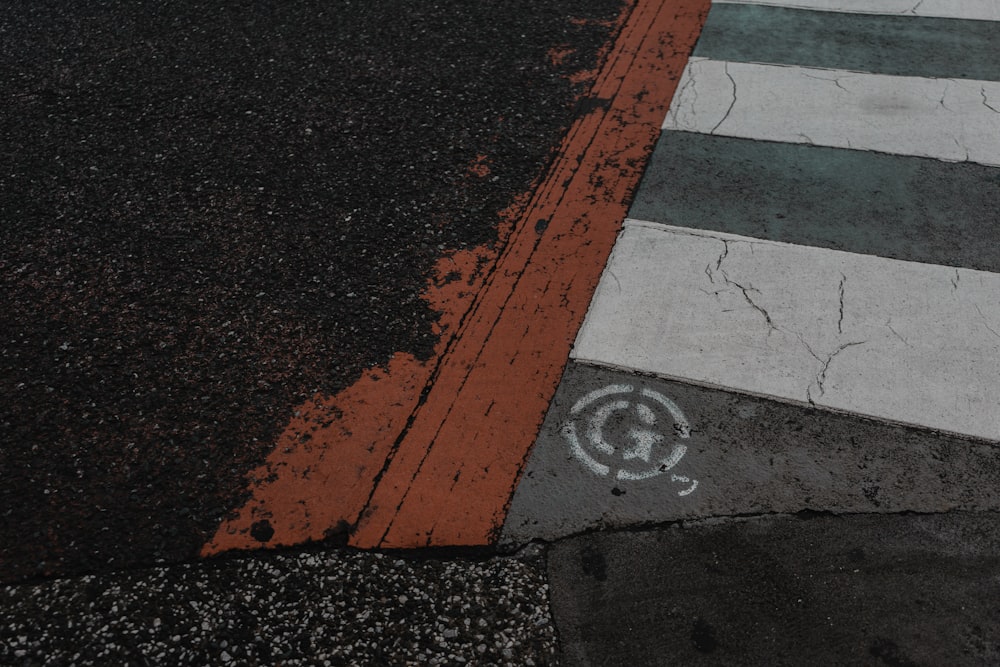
(212,212)
(643,333)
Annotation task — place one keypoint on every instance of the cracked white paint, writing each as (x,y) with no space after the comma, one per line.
(900,341)
(948,119)
(983,10)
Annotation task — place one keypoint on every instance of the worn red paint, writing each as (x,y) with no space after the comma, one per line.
(428,454)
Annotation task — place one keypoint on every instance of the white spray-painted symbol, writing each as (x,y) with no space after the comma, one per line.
(643,450)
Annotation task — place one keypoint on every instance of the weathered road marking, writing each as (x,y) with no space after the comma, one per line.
(946,119)
(641,452)
(910,343)
(429,453)
(985,10)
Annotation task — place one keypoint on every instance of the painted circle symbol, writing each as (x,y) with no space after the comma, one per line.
(627,434)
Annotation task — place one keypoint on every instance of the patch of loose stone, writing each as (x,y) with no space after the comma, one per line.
(311,608)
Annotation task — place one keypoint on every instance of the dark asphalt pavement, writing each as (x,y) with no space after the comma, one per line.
(898,590)
(213,211)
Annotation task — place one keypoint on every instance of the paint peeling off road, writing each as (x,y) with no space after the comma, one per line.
(428,454)
(317,480)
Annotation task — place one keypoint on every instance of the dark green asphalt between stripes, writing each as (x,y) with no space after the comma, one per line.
(908,208)
(900,45)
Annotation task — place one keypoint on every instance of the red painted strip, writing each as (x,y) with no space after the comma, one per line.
(448,479)
(452,477)
(322,471)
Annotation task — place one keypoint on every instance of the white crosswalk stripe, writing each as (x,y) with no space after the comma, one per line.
(899,341)
(946,119)
(984,10)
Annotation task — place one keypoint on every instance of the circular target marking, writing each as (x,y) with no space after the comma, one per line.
(623,434)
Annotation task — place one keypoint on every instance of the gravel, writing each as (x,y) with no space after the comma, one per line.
(330,607)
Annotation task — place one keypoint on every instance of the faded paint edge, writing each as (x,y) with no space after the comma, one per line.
(452,477)
(323,470)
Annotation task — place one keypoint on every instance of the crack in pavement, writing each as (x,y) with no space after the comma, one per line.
(731,104)
(821,376)
(840,320)
(888,324)
(743,289)
(986,103)
(985,321)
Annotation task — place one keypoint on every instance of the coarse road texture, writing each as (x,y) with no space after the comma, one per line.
(212,215)
(428,454)
(308,608)
(742,412)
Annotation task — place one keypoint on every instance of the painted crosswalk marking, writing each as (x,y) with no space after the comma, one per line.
(901,341)
(984,10)
(945,119)
(906,342)
(896,340)
(810,270)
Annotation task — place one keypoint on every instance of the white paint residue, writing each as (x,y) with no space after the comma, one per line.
(595,429)
(600,393)
(685,480)
(569,432)
(635,453)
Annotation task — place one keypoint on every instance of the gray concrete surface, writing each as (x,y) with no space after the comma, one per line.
(748,456)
